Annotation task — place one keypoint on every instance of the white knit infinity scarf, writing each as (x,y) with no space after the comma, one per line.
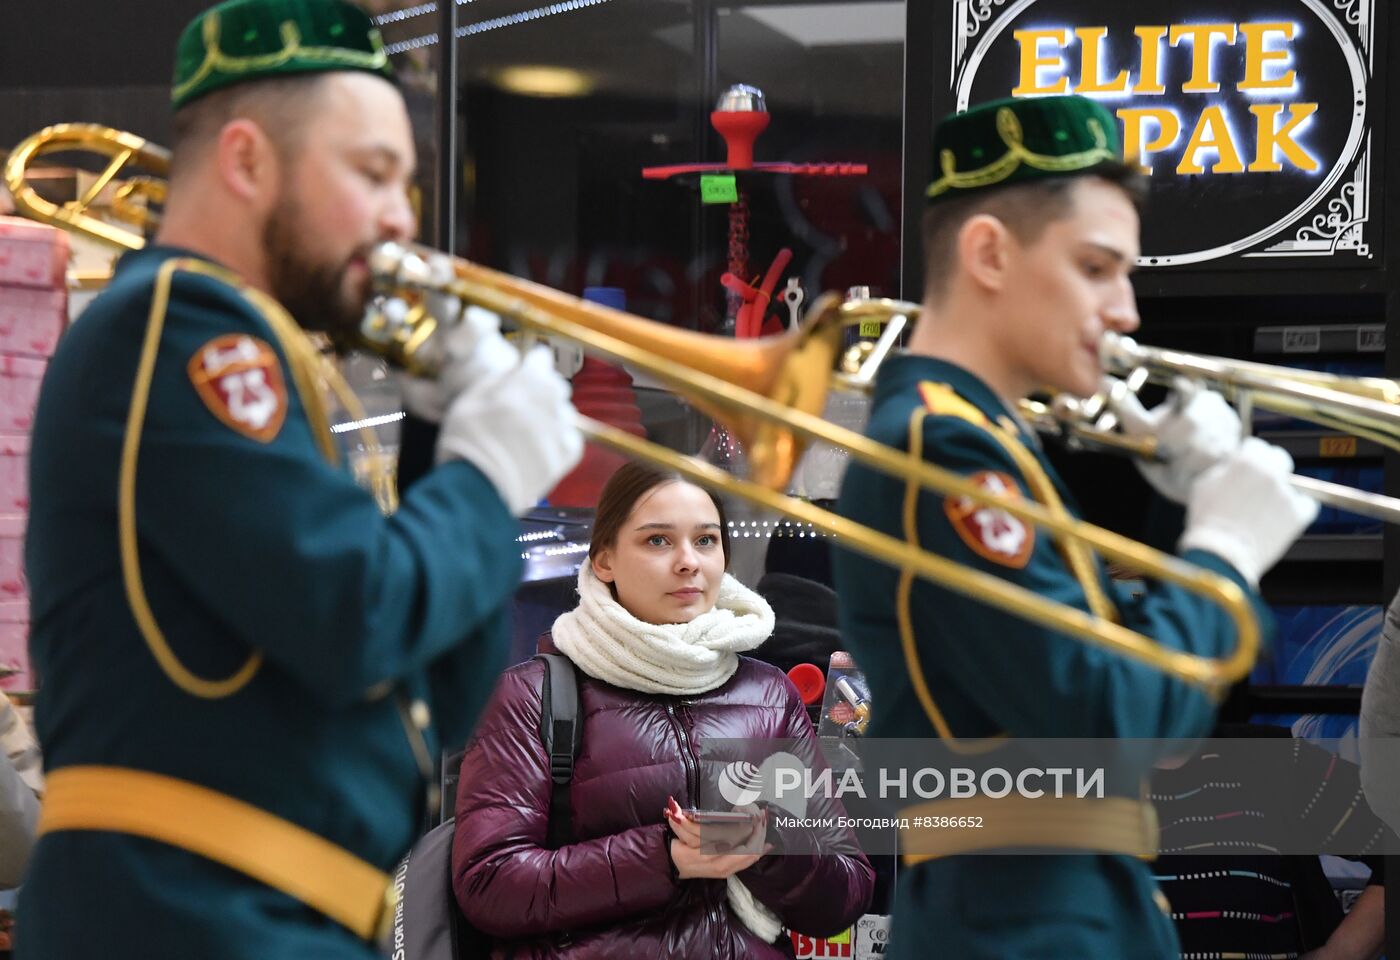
(609,644)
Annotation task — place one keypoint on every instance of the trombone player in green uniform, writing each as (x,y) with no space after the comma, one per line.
(1030,235)
(248,668)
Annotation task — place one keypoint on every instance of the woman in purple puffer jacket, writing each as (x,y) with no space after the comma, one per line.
(655,640)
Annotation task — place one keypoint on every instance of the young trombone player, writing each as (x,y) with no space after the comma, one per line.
(1030,235)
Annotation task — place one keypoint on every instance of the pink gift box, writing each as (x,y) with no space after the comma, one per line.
(32,254)
(19,391)
(12,585)
(14,474)
(14,645)
(31,320)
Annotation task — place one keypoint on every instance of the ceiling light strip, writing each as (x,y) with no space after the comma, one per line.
(403,46)
(407,13)
(525,16)
(368,422)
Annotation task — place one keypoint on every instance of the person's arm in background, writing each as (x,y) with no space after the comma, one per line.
(1329,812)
(19,822)
(1380,723)
(1361,934)
(21,782)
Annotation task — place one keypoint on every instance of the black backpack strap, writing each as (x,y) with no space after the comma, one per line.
(561,729)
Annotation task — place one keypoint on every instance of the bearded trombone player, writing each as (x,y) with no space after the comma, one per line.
(248,667)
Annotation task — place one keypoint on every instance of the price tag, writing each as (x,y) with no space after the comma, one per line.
(870,329)
(1337,447)
(1370,338)
(1302,340)
(718,188)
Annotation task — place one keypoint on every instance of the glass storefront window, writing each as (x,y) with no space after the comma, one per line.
(563,105)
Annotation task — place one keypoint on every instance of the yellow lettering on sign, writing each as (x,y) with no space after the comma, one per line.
(1201,34)
(1270,135)
(1091,63)
(1211,132)
(1149,81)
(1134,119)
(1255,56)
(1032,61)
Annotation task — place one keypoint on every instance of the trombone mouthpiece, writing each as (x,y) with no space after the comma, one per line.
(1119,354)
(394,265)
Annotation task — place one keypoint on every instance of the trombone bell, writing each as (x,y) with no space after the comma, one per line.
(791,370)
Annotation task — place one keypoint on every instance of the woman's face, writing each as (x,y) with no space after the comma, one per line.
(668,561)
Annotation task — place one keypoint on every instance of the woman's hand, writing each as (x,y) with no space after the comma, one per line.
(692,863)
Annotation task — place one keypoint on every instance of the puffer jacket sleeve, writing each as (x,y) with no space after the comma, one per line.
(822,892)
(507,882)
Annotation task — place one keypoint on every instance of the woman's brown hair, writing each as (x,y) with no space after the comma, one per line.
(620,495)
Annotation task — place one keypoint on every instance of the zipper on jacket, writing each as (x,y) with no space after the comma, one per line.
(692,776)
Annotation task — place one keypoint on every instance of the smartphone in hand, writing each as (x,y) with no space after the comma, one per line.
(724,817)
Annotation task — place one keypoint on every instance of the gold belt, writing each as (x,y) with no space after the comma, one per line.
(945,828)
(228,831)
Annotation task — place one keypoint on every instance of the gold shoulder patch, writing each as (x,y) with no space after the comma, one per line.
(993,534)
(942,401)
(239,378)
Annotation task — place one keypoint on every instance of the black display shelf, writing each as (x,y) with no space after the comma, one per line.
(1308,339)
(1344,701)
(1328,547)
(1324,583)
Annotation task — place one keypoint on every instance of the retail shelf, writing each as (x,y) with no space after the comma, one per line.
(1333,338)
(1324,582)
(1304,699)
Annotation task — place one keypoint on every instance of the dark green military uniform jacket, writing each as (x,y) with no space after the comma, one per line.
(373,640)
(990,672)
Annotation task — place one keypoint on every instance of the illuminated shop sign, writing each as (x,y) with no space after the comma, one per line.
(1249,115)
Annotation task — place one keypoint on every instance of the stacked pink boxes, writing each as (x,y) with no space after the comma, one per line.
(33,312)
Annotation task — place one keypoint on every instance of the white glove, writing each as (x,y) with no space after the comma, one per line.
(1195,429)
(1245,511)
(474,350)
(517,426)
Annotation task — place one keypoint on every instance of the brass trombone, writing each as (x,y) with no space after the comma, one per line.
(1365,407)
(767,391)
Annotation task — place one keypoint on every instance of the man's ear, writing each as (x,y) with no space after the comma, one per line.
(248,163)
(602,566)
(984,247)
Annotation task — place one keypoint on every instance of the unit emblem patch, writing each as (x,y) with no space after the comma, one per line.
(992,533)
(239,378)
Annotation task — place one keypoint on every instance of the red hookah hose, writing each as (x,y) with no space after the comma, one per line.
(759,308)
(745,294)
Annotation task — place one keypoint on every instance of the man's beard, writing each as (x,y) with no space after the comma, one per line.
(312,292)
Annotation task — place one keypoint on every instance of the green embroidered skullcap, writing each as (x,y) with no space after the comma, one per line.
(1019,141)
(244,40)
